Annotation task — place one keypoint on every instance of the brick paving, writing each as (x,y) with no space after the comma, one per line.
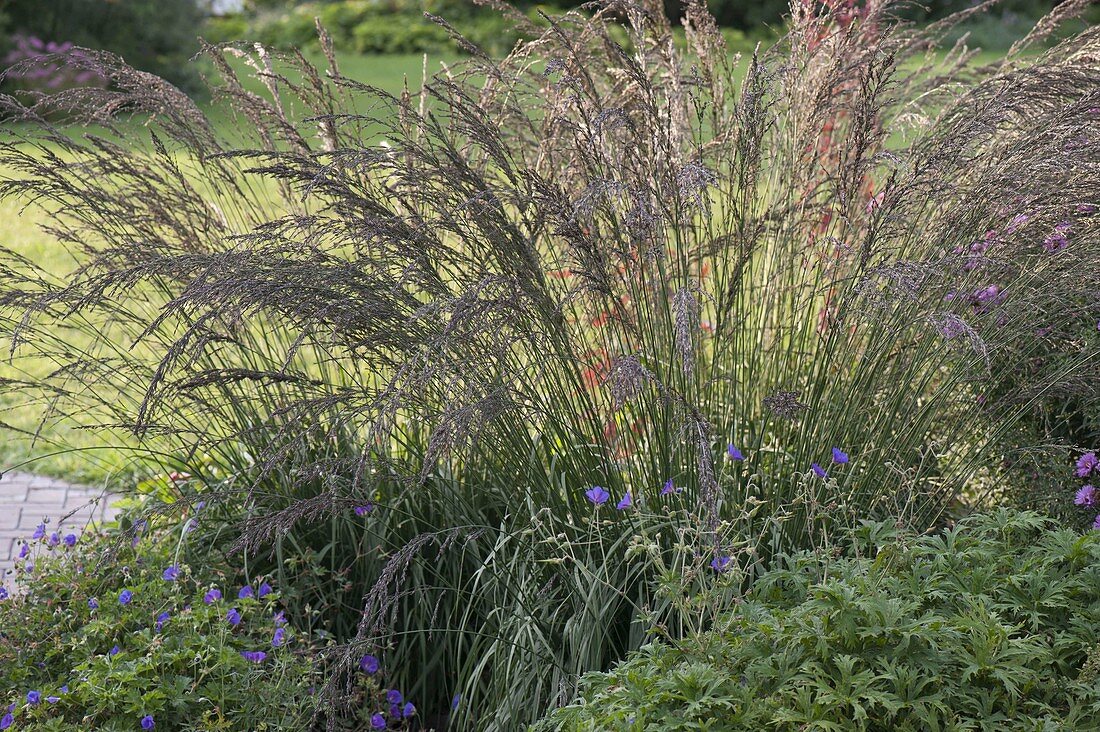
(27,500)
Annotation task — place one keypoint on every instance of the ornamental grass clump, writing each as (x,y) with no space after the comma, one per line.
(497,372)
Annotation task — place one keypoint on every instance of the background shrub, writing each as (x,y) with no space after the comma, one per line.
(158,36)
(995,622)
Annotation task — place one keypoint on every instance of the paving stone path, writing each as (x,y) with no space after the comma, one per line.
(27,500)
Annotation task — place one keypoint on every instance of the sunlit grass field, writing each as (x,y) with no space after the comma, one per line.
(89,455)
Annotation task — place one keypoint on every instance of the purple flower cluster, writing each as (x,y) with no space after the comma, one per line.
(1057,240)
(49,64)
(399,708)
(1088,496)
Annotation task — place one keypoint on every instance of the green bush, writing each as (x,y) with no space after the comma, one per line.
(994,624)
(170,652)
(368,27)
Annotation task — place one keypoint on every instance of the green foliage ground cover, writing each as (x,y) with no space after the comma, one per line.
(993,624)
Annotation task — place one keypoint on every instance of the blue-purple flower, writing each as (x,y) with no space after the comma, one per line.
(369,664)
(278,639)
(265,589)
(818,470)
(233,617)
(39,531)
(245,592)
(1086,496)
(3,593)
(1086,464)
(455,700)
(147,722)
(364,510)
(93,604)
(1096,523)
(115,650)
(54,539)
(839,456)
(161,620)
(408,710)
(377,721)
(212,596)
(734,453)
(70,540)
(33,697)
(720,564)
(279,618)
(24,550)
(6,721)
(669,488)
(124,597)
(53,699)
(171,574)
(597,495)
(254,656)
(625,502)
(393,696)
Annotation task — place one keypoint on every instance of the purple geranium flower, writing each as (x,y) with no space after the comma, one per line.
(364,510)
(70,539)
(147,722)
(245,592)
(7,721)
(818,470)
(734,453)
(393,696)
(3,593)
(279,618)
(839,456)
(115,650)
(53,699)
(669,487)
(212,596)
(254,656)
(719,564)
(171,574)
(377,721)
(625,502)
(93,604)
(33,697)
(265,589)
(39,531)
(278,639)
(124,597)
(233,617)
(408,710)
(161,620)
(54,539)
(24,550)
(1086,496)
(369,664)
(1086,464)
(597,495)
(1096,523)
